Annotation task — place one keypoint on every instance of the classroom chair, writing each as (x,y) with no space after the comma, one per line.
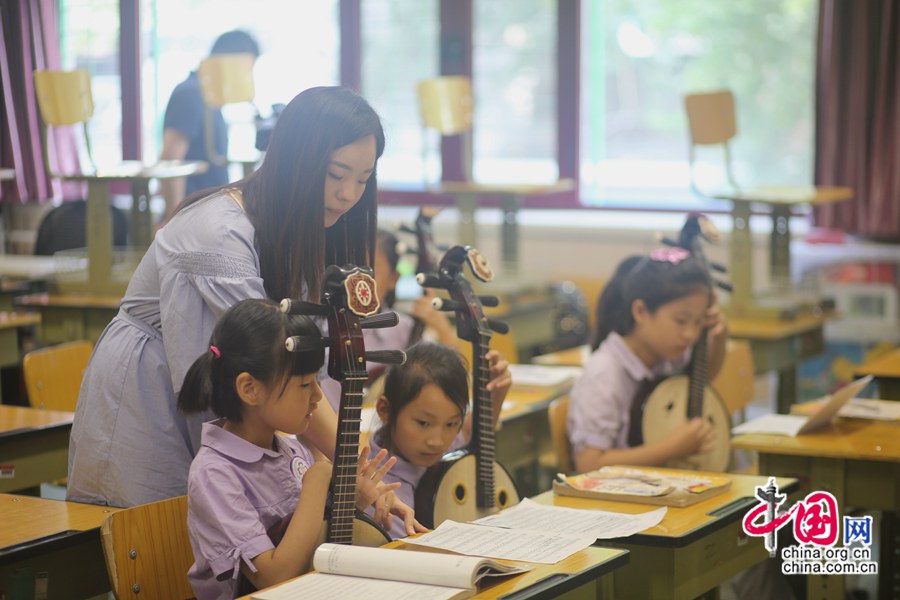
(446,106)
(224,79)
(148,551)
(734,381)
(53,375)
(557,413)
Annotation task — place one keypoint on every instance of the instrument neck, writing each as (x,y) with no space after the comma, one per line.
(482,443)
(699,377)
(346,452)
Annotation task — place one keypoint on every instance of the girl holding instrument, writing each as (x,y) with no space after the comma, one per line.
(424,412)
(246,478)
(648,318)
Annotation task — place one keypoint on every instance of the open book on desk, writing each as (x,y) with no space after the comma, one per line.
(375,573)
(793,425)
(543,377)
(643,485)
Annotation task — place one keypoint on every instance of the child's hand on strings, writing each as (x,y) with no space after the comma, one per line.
(500,377)
(695,436)
(715,322)
(389,504)
(369,473)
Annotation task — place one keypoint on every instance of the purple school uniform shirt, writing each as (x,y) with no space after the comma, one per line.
(237,492)
(408,475)
(600,402)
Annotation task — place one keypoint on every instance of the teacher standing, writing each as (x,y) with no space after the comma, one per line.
(311,203)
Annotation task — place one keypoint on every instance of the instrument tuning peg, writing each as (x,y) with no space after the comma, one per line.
(442,247)
(667,241)
(387,357)
(724,285)
(718,267)
(407,229)
(489,300)
(446,305)
(380,321)
(500,327)
(301,307)
(300,343)
(429,280)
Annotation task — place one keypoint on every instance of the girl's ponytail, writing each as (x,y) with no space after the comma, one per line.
(197,391)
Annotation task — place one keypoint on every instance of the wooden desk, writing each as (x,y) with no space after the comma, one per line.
(692,550)
(781,346)
(71,317)
(781,201)
(467,194)
(10,322)
(859,462)
(100,276)
(56,538)
(23,267)
(580,576)
(10,288)
(34,446)
(886,370)
(570,357)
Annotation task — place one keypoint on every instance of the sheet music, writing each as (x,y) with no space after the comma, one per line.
(528,515)
(496,542)
(319,586)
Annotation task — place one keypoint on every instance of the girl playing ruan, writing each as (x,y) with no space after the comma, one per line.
(246,478)
(648,318)
(423,411)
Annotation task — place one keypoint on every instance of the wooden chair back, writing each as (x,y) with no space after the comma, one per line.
(734,381)
(53,375)
(711,117)
(64,98)
(445,104)
(557,413)
(148,551)
(226,79)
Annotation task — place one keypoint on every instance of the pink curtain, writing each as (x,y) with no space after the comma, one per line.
(858,114)
(29,40)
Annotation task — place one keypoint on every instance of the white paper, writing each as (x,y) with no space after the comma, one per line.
(510,544)
(319,586)
(865,408)
(528,515)
(543,375)
(777,424)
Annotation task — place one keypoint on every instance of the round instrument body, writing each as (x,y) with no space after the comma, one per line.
(666,409)
(449,492)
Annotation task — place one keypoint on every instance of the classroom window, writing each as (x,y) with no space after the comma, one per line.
(514,87)
(399,48)
(299,45)
(89,39)
(639,57)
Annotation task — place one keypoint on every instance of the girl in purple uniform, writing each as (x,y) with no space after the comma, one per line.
(423,411)
(246,479)
(649,316)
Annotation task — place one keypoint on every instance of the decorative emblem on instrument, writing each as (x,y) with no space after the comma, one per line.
(479,265)
(361,297)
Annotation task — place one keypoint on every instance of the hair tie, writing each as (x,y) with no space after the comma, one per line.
(215,352)
(670,254)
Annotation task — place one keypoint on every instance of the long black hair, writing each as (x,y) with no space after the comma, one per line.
(426,363)
(386,242)
(249,338)
(656,282)
(284,198)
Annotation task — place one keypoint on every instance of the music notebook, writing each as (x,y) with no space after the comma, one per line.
(642,485)
(376,573)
